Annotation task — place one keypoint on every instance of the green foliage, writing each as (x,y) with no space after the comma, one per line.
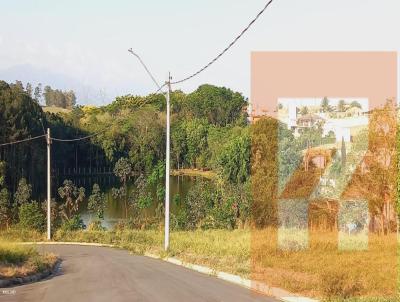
(97,202)
(234,160)
(23,193)
(31,216)
(196,140)
(54,213)
(6,213)
(123,169)
(74,223)
(20,118)
(144,201)
(355,104)
(59,98)
(219,105)
(72,197)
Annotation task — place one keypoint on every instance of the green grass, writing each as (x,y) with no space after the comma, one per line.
(21,260)
(15,254)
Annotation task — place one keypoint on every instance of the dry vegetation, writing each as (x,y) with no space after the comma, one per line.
(20,260)
(322,271)
(325,271)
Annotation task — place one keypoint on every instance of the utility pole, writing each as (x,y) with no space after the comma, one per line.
(48,186)
(167,155)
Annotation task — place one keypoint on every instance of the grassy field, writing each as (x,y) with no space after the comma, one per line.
(53,109)
(321,271)
(193,172)
(19,261)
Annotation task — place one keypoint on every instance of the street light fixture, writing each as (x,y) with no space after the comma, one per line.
(167,147)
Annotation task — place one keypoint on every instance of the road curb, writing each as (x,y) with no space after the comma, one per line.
(31,278)
(68,243)
(257,286)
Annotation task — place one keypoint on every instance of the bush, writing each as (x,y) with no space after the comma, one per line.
(31,216)
(96,226)
(73,224)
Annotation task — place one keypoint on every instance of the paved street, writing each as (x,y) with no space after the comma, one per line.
(112,275)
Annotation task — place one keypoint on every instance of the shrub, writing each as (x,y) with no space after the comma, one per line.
(73,224)
(31,216)
(96,226)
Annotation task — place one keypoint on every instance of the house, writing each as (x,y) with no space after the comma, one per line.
(309,121)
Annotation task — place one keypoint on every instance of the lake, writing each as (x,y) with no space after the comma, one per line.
(115,210)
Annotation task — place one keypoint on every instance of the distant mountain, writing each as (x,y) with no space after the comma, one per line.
(28,73)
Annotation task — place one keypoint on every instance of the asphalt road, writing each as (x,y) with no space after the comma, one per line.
(112,275)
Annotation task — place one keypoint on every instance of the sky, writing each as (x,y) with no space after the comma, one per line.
(82,45)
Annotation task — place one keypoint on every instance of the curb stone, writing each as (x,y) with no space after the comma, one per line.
(260,287)
(32,278)
(257,286)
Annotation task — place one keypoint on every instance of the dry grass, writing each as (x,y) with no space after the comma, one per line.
(55,110)
(323,270)
(193,172)
(20,260)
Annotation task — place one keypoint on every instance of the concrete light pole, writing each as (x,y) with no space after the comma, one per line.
(48,140)
(167,145)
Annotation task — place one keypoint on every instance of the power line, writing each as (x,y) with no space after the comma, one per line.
(78,139)
(22,140)
(228,47)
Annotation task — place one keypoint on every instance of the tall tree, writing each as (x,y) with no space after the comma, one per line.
(325,105)
(73,197)
(123,170)
(38,93)
(29,89)
(341,106)
(97,202)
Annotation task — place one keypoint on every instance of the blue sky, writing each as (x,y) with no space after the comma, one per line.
(82,45)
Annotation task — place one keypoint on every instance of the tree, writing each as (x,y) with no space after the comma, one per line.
(70,99)
(234,161)
(59,98)
(23,193)
(5,202)
(196,140)
(29,89)
(5,208)
(123,170)
(97,202)
(325,105)
(31,216)
(341,106)
(355,104)
(219,105)
(304,110)
(375,179)
(38,93)
(72,196)
(19,85)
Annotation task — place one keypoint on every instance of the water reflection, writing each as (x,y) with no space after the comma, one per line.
(115,210)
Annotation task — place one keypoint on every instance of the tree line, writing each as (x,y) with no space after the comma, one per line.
(47,95)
